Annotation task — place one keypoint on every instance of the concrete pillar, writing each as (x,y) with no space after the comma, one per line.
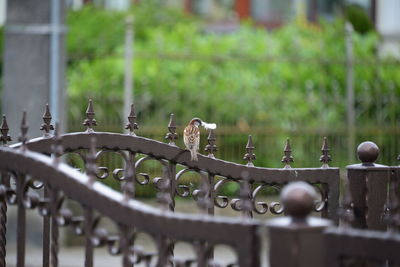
(27,64)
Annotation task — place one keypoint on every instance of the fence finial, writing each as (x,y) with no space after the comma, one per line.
(46,126)
(287,158)
(298,198)
(91,167)
(249,156)
(23,138)
(368,152)
(132,125)
(172,135)
(90,121)
(325,157)
(4,131)
(211,148)
(57,149)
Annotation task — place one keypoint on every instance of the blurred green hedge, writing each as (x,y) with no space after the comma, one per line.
(291,79)
(287,78)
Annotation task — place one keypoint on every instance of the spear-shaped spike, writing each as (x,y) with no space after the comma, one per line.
(91,168)
(132,125)
(4,131)
(57,149)
(23,138)
(90,121)
(325,157)
(287,158)
(249,156)
(211,148)
(171,135)
(47,126)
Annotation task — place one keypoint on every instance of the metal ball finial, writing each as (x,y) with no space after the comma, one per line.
(299,199)
(368,152)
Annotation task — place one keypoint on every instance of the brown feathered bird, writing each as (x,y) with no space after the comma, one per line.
(191,135)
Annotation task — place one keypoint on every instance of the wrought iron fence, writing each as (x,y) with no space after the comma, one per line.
(35,181)
(211,173)
(33,172)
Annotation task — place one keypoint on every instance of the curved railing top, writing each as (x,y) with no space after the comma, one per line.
(128,212)
(159,150)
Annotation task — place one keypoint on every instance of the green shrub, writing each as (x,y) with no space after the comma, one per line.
(359,18)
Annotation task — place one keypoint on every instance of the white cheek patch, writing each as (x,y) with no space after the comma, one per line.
(209,126)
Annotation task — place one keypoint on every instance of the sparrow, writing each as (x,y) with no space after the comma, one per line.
(191,135)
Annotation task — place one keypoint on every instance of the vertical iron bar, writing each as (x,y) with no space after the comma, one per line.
(54,227)
(350,92)
(88,233)
(46,233)
(5,181)
(211,194)
(211,211)
(3,230)
(21,223)
(201,253)
(163,251)
(125,245)
(171,177)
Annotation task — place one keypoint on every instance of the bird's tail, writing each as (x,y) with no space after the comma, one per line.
(193,154)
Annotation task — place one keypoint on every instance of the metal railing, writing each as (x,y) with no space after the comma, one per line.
(211,173)
(35,181)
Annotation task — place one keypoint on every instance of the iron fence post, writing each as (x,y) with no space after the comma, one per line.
(368,183)
(297,240)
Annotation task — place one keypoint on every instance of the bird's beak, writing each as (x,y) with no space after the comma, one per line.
(209,126)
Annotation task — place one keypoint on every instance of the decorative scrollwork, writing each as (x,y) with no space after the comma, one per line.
(113,245)
(276,208)
(219,200)
(146,176)
(182,190)
(35,184)
(262,207)
(259,207)
(320,204)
